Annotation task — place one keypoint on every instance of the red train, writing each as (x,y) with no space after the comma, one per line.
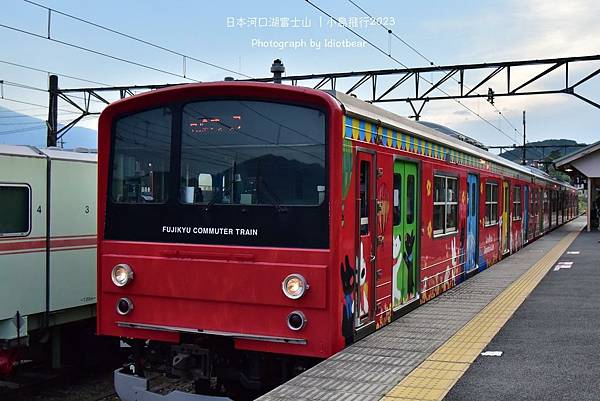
(251,229)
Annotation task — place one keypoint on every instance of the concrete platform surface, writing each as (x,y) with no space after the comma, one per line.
(551,345)
(422,355)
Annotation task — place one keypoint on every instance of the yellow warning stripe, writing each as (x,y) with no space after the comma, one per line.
(435,376)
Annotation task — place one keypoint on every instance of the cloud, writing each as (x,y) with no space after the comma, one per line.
(521,30)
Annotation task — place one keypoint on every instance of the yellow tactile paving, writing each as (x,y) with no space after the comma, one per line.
(435,376)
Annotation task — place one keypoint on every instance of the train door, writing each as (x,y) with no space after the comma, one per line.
(405,268)
(366,239)
(543,209)
(472,222)
(525,227)
(505,229)
(562,207)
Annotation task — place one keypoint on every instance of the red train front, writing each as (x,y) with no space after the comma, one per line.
(216,225)
(258,228)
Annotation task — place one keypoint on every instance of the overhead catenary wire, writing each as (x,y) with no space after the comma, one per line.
(21,123)
(23,130)
(22,86)
(33,115)
(31,104)
(96,52)
(34,88)
(405,66)
(31,109)
(53,73)
(391,32)
(131,37)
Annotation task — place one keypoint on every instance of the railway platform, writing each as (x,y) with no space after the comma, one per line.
(424,354)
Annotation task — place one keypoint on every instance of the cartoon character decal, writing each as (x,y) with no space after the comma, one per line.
(363,284)
(348,285)
(403,270)
(472,247)
(396,274)
(383,208)
(446,279)
(408,260)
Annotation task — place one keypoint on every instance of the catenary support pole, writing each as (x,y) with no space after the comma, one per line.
(524,161)
(52,122)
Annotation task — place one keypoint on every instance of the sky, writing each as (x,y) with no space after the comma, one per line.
(222,33)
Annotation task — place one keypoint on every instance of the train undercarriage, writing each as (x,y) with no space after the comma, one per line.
(211,364)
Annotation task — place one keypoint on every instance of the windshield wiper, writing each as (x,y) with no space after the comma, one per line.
(274,199)
(210,204)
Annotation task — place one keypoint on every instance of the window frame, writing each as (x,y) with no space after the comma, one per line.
(178,151)
(517,201)
(397,209)
(145,216)
(445,230)
(365,206)
(172,136)
(490,203)
(29,204)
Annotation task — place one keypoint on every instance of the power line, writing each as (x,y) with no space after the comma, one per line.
(22,86)
(35,115)
(9,123)
(52,73)
(99,53)
(31,104)
(23,130)
(19,110)
(34,88)
(402,64)
(185,56)
(391,32)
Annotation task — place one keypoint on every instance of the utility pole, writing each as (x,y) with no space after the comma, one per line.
(524,161)
(52,122)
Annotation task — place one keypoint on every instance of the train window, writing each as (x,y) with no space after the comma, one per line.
(15,205)
(517,203)
(397,199)
(364,197)
(410,199)
(445,205)
(252,153)
(491,203)
(141,157)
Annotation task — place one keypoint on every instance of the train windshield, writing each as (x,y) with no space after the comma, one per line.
(252,153)
(223,166)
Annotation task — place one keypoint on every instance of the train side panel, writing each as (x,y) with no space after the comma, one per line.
(73,232)
(22,254)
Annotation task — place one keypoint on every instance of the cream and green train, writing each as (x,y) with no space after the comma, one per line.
(47,243)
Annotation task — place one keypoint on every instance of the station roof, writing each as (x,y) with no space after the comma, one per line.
(577,154)
(586,160)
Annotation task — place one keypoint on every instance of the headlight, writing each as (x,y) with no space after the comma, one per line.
(294,286)
(121,274)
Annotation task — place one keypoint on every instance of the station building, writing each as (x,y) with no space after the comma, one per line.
(585,163)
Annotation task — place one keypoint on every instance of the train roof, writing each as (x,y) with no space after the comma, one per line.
(363,109)
(78,154)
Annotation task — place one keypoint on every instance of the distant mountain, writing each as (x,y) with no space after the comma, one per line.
(21,129)
(559,147)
